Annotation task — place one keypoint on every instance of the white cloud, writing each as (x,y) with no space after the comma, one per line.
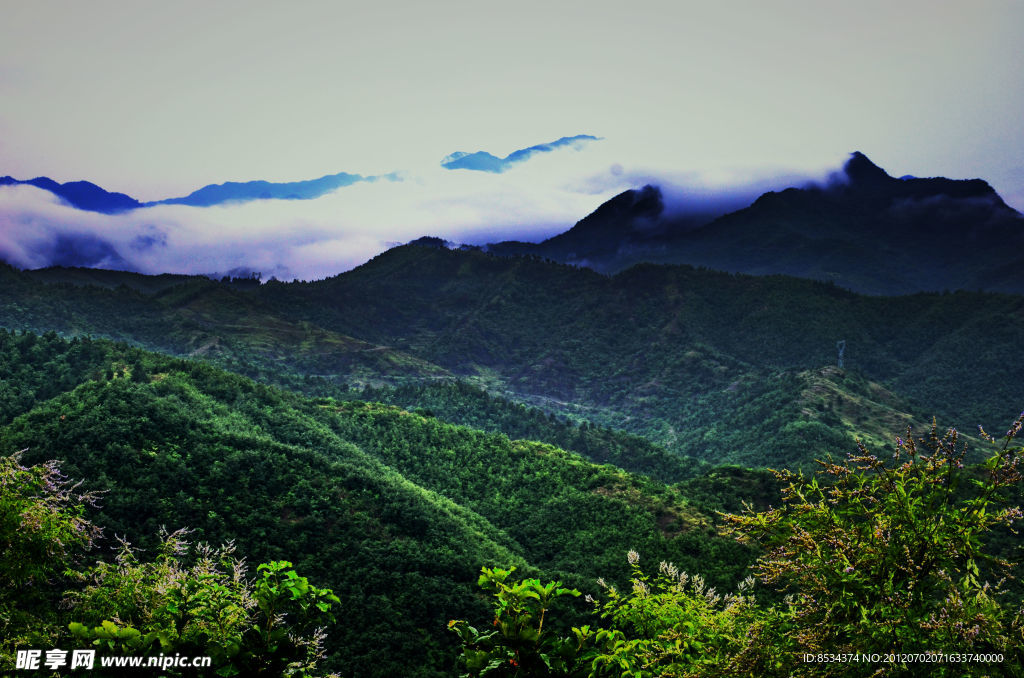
(311,239)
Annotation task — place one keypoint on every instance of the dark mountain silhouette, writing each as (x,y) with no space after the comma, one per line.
(81,194)
(628,217)
(632,220)
(863,230)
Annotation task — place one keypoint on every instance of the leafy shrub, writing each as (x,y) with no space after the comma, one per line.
(518,644)
(43,536)
(888,555)
(878,556)
(674,624)
(271,626)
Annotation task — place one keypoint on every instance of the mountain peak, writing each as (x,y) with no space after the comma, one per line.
(860,170)
(645,202)
(624,212)
(605,229)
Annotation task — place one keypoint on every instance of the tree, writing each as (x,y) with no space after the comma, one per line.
(43,537)
(671,624)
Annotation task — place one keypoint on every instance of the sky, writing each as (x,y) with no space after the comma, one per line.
(158,99)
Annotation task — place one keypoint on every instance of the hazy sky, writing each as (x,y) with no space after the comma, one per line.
(158,99)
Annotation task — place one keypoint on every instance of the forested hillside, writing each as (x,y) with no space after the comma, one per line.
(393,514)
(511,340)
(394,511)
(392,430)
(719,367)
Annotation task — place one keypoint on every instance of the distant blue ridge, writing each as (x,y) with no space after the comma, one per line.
(234,191)
(81,194)
(482,161)
(84,195)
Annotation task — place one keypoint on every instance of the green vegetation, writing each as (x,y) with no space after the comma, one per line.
(886,557)
(650,341)
(269,626)
(395,431)
(727,369)
(890,553)
(393,511)
(462,403)
(43,534)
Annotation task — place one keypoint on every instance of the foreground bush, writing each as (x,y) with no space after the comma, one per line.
(43,535)
(271,626)
(186,601)
(889,555)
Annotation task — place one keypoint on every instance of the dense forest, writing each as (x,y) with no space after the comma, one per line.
(392,510)
(446,462)
(720,367)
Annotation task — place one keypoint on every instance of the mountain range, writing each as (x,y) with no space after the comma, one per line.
(864,230)
(235,191)
(393,428)
(84,195)
(721,367)
(644,342)
(396,511)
